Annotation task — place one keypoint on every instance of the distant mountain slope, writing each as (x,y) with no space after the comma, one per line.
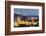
(26,16)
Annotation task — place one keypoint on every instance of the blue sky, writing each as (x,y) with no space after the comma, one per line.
(26,12)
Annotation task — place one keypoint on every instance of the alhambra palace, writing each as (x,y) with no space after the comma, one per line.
(30,21)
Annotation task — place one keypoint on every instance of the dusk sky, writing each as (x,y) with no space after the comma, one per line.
(26,12)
